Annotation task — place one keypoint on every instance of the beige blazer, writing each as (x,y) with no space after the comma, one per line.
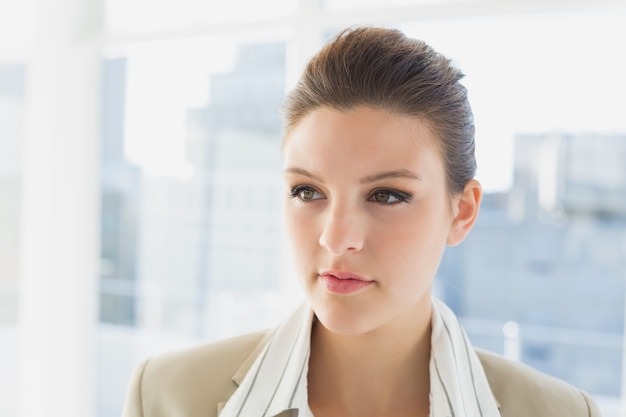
(198,381)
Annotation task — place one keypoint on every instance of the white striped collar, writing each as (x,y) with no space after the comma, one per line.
(458,384)
(277,381)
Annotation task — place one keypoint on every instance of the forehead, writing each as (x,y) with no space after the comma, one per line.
(363,133)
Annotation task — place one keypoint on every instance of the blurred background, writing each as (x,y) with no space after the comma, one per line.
(140,189)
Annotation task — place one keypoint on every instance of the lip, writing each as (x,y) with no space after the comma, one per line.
(341,282)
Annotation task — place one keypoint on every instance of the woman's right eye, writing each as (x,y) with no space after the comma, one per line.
(306,193)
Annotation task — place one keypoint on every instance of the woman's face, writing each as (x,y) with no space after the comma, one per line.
(368,216)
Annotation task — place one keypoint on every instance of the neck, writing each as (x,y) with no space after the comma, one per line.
(383,372)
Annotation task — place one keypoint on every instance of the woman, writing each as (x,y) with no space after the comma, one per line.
(379,173)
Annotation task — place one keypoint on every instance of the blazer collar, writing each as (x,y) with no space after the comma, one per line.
(247,364)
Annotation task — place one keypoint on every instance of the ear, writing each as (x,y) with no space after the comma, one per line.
(465,209)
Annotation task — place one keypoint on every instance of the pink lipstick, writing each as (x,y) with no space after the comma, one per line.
(343,282)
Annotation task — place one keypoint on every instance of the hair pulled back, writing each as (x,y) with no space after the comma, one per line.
(383,68)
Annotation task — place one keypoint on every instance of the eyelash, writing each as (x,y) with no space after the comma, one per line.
(400,196)
(295,192)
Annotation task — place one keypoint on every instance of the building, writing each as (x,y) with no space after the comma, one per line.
(550,255)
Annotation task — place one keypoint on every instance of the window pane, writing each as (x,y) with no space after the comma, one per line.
(191,199)
(191,195)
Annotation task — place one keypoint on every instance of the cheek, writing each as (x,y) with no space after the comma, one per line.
(299,228)
(416,240)
(290,221)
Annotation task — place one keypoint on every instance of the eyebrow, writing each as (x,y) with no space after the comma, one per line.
(300,171)
(399,173)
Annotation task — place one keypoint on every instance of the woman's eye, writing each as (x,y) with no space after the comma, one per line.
(306,193)
(389,197)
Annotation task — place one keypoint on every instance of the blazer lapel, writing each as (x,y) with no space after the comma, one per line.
(245,367)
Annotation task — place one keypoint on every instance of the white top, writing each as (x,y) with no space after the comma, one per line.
(277,381)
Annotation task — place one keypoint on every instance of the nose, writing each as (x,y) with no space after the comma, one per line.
(341,231)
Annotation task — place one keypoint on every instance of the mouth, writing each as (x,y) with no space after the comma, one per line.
(344,283)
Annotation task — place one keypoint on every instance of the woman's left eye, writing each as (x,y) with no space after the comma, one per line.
(389,197)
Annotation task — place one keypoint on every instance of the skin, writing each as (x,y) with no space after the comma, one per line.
(367,197)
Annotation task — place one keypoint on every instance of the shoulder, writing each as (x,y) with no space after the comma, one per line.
(224,357)
(523,391)
(193,381)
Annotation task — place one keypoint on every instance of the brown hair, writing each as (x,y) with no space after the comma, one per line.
(383,68)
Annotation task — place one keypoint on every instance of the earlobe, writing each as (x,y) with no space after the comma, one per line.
(466,207)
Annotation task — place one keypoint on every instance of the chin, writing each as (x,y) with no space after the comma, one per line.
(343,319)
